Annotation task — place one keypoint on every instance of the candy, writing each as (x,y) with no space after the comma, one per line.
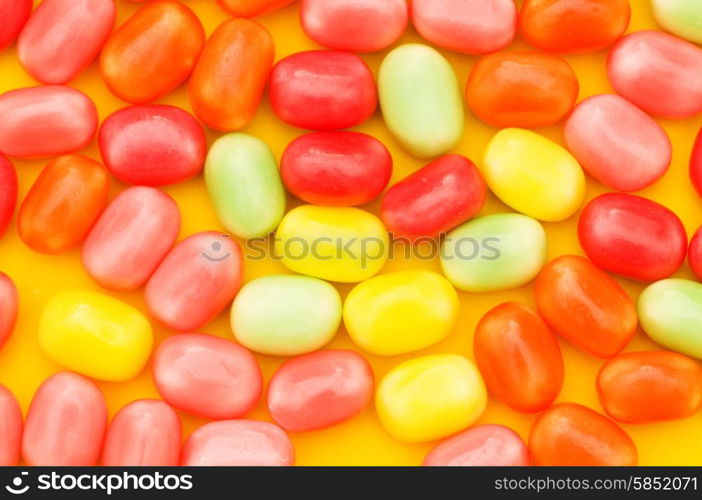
(585,306)
(323,90)
(420,100)
(617,143)
(10,428)
(238,443)
(8,307)
(430,397)
(518,357)
(354,25)
(533,175)
(244,185)
(681,17)
(696,164)
(480,446)
(658,72)
(152,145)
(195,282)
(14,15)
(95,335)
(574,26)
(63,37)
(694,253)
(570,434)
(434,199)
(8,193)
(131,238)
(62,205)
(286,315)
(153,52)
(65,423)
(401,312)
(521,89)
(145,433)
(468,26)
(46,121)
(251,8)
(632,236)
(643,387)
(336,168)
(231,73)
(494,252)
(342,244)
(319,390)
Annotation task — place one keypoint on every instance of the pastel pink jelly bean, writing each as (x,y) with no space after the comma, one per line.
(131,238)
(65,423)
(63,37)
(694,253)
(238,443)
(52,120)
(319,389)
(480,446)
(658,72)
(10,428)
(152,145)
(145,433)
(8,193)
(696,164)
(14,15)
(9,305)
(207,376)
(617,143)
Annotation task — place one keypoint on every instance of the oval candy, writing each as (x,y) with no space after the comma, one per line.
(694,253)
(681,17)
(9,307)
(252,8)
(696,164)
(8,193)
(14,15)
(10,428)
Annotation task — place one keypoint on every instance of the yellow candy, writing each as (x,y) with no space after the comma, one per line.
(95,334)
(401,312)
(333,243)
(430,397)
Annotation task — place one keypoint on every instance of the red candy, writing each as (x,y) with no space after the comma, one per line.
(694,253)
(481,446)
(696,164)
(251,8)
(8,192)
(8,307)
(10,428)
(14,15)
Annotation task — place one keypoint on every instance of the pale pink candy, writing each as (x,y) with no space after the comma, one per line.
(484,445)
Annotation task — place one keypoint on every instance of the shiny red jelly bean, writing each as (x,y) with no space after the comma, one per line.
(8,193)
(696,164)
(10,428)
(336,168)
(632,236)
(694,253)
(14,15)
(323,90)
(487,445)
(9,305)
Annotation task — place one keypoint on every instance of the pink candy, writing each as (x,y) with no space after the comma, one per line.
(10,428)
(484,445)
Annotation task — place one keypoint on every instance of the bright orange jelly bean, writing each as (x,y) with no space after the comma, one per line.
(251,8)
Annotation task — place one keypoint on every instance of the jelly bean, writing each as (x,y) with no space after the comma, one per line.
(336,168)
(153,52)
(62,205)
(196,281)
(670,312)
(251,8)
(681,17)
(434,199)
(207,376)
(468,26)
(131,238)
(694,253)
(519,357)
(286,315)
(354,25)
(421,100)
(494,252)
(533,175)
(696,164)
(617,143)
(658,72)
(480,446)
(430,397)
(643,387)
(10,428)
(95,335)
(63,37)
(401,312)
(8,193)
(343,244)
(319,390)
(244,185)
(238,443)
(229,78)
(574,26)
(521,89)
(14,15)
(323,90)
(65,423)
(570,434)
(46,121)
(145,433)
(152,145)
(8,307)
(632,236)
(584,305)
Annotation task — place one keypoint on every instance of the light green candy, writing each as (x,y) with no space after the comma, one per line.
(495,252)
(670,312)
(421,100)
(244,183)
(286,315)
(680,17)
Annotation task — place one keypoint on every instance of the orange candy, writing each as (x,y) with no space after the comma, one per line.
(251,8)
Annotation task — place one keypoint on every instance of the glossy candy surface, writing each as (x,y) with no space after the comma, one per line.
(8,193)
(694,254)
(9,307)
(251,8)
(696,164)
(14,15)
(681,17)
(10,428)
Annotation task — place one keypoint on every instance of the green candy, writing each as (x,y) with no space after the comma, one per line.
(421,100)
(681,17)
(244,183)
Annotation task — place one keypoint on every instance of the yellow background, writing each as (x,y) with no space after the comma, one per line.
(361,441)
